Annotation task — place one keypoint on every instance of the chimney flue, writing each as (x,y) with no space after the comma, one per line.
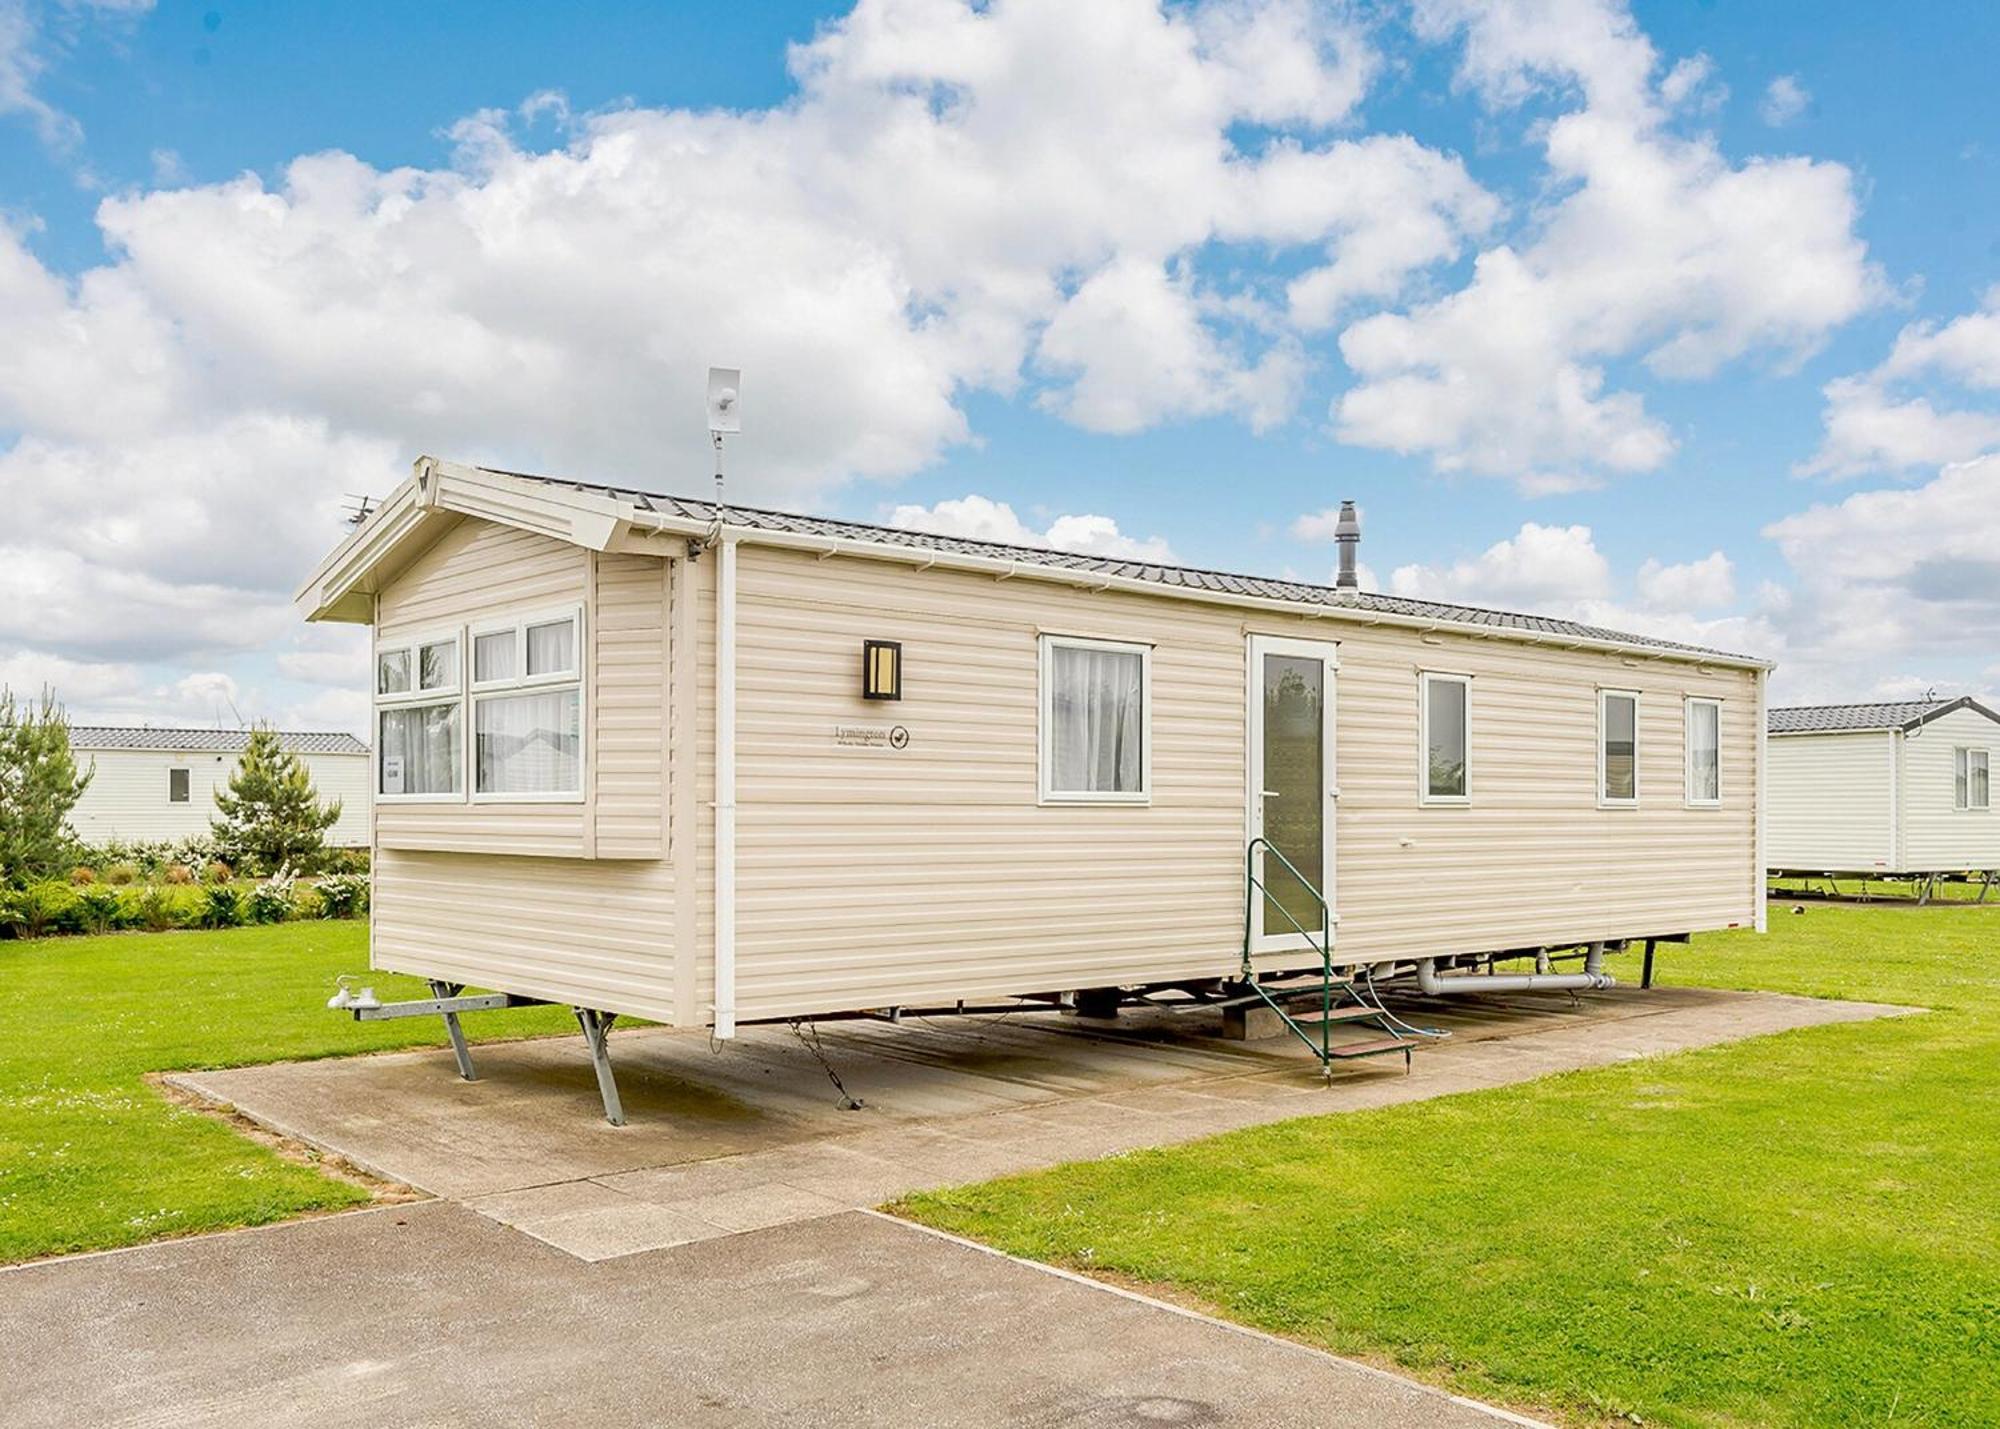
(1347,531)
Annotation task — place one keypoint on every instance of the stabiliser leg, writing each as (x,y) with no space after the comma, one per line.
(596,1025)
(441,991)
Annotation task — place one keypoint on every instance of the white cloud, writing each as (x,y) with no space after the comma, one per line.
(1889,419)
(1785,99)
(1897,576)
(1539,568)
(980,518)
(1706,584)
(1660,249)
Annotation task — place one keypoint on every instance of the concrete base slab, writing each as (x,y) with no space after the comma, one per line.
(431,1315)
(754,1136)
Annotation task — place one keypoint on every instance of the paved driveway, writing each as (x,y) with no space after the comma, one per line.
(434,1315)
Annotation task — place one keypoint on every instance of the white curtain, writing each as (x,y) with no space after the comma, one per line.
(420,750)
(494,657)
(1707,758)
(527,744)
(1098,722)
(552,648)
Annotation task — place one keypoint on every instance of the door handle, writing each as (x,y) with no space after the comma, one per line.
(1271,794)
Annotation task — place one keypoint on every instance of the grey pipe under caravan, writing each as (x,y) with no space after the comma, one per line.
(1593,978)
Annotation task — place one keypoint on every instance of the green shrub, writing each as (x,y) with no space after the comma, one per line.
(41,909)
(99,910)
(118,875)
(222,905)
(153,908)
(308,903)
(343,895)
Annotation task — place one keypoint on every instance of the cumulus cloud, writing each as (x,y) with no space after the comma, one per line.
(1785,99)
(1706,584)
(1539,568)
(1911,410)
(980,518)
(1660,250)
(1910,572)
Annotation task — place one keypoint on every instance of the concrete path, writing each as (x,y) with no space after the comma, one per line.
(432,1315)
(755,1136)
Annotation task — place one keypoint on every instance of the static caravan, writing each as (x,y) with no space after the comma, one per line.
(641,755)
(150,784)
(1898,790)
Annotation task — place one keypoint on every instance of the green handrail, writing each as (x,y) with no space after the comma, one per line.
(1253,885)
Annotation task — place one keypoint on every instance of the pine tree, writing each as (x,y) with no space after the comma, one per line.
(39,785)
(271,814)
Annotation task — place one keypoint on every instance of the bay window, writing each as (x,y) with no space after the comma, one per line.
(516,686)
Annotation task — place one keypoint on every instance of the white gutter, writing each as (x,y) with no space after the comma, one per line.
(923,558)
(725,786)
(1761,908)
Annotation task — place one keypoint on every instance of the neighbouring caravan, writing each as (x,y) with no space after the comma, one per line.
(1899,790)
(638,755)
(149,784)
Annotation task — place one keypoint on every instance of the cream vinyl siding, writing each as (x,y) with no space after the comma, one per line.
(870,876)
(628,707)
(127,797)
(1833,801)
(1938,837)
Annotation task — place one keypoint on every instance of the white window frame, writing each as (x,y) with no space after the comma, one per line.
(187,780)
(454,694)
(1425,679)
(1045,722)
(1687,750)
(526,684)
(1604,696)
(1961,758)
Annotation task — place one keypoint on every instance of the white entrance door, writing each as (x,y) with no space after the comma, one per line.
(1292,789)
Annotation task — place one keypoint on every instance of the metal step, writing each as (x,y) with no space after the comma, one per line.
(1341,1051)
(1316,1018)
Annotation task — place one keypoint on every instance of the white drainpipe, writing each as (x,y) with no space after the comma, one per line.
(1593,978)
(725,787)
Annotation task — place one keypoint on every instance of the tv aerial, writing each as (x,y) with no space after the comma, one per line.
(725,417)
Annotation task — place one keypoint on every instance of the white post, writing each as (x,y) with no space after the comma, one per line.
(1762,906)
(725,787)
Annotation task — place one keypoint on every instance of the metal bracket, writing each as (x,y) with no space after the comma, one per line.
(596,1028)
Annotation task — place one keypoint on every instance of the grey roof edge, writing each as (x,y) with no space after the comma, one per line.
(1902,716)
(1188,581)
(194,739)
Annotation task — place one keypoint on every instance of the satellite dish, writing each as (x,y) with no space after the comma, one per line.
(724,412)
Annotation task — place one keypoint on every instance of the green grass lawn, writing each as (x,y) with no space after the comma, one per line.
(1801,1229)
(91,1157)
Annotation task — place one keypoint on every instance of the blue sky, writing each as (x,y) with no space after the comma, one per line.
(1725,218)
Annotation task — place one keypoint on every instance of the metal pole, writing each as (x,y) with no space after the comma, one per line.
(442,990)
(596,1025)
(1646,971)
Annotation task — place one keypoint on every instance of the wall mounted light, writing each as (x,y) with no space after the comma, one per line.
(881,670)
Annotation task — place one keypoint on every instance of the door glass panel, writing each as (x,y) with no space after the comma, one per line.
(1294,791)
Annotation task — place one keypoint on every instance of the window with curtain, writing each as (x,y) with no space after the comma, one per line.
(527,708)
(1971,783)
(1704,751)
(419,749)
(1093,721)
(1618,747)
(529,743)
(419,724)
(1446,737)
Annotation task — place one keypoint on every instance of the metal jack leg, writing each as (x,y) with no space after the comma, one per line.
(596,1026)
(441,991)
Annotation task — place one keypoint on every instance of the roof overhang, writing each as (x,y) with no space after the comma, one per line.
(436,497)
(1963,702)
(441,493)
